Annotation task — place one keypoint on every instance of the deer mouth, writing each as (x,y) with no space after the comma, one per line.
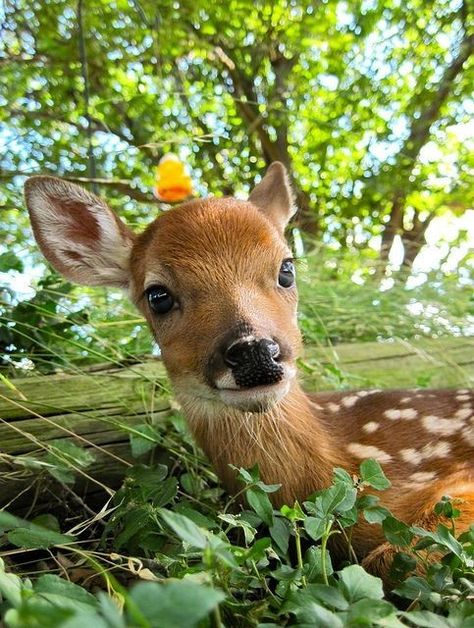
(258,398)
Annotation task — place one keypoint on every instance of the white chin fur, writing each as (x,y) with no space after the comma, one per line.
(255,399)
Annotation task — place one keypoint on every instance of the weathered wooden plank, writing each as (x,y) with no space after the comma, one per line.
(443,362)
(104,406)
(67,392)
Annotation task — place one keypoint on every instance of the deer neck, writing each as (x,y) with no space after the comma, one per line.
(291,446)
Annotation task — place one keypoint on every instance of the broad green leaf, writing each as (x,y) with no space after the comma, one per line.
(371,472)
(358,584)
(427,619)
(307,608)
(261,504)
(10,261)
(443,537)
(373,613)
(37,537)
(143,439)
(186,529)
(280,534)
(11,586)
(314,567)
(64,593)
(315,527)
(175,604)
(331,597)
(397,532)
(413,588)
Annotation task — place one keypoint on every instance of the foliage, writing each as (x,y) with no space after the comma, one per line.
(367,103)
(248,567)
(341,301)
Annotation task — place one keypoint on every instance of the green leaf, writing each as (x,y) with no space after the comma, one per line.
(443,537)
(370,612)
(293,514)
(10,261)
(64,593)
(413,588)
(308,610)
(329,596)
(11,586)
(261,504)
(371,472)
(175,604)
(358,584)
(186,529)
(315,527)
(9,521)
(236,521)
(143,439)
(47,521)
(280,533)
(427,619)
(37,537)
(402,564)
(67,459)
(314,563)
(397,532)
(197,517)
(376,514)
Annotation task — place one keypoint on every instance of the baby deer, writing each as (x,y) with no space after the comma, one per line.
(215,280)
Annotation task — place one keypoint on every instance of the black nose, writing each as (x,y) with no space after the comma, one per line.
(254,362)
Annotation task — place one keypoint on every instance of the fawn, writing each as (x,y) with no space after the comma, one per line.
(215,280)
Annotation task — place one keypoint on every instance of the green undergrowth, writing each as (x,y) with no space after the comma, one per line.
(169,549)
(343,298)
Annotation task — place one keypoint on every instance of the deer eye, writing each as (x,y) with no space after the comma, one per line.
(286,276)
(161,301)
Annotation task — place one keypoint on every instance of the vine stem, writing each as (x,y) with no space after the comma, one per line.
(299,553)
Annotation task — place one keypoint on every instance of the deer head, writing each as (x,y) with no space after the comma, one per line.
(213,277)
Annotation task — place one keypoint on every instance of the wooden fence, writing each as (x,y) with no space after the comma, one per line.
(100,409)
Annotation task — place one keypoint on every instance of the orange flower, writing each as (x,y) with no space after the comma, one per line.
(172,181)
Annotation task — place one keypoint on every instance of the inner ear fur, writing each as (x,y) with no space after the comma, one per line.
(274,196)
(78,233)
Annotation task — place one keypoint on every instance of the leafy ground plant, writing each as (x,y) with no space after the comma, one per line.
(238,566)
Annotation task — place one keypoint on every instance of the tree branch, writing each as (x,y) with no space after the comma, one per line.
(117,185)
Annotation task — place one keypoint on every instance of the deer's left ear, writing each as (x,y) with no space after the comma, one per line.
(274,196)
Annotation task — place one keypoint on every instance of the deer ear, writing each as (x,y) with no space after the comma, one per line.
(77,232)
(274,196)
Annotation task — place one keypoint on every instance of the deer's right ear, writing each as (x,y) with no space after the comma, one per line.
(78,233)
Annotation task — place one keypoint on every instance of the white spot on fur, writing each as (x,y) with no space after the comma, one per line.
(407,414)
(369,451)
(334,407)
(423,476)
(371,426)
(468,433)
(443,427)
(406,399)
(463,391)
(363,393)
(348,402)
(463,413)
(436,450)
(463,397)
(393,413)
(411,455)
